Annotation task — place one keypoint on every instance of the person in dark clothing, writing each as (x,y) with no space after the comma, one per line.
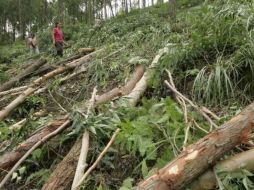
(58,39)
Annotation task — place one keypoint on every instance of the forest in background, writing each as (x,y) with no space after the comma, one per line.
(21,17)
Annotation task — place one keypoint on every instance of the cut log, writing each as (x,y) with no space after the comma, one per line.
(8,85)
(105,150)
(85,50)
(207,181)
(21,98)
(10,158)
(14,90)
(36,145)
(17,91)
(62,180)
(62,176)
(82,160)
(49,67)
(121,91)
(141,86)
(198,157)
(134,87)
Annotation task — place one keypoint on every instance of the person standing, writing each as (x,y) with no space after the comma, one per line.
(58,39)
(33,45)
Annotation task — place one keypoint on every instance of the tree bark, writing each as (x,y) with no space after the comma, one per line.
(141,86)
(137,81)
(82,160)
(21,98)
(172,9)
(200,156)
(62,180)
(27,72)
(122,91)
(10,158)
(62,176)
(239,161)
(47,68)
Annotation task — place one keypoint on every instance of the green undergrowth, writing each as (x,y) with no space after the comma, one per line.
(211,59)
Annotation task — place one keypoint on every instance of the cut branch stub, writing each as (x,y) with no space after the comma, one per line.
(201,155)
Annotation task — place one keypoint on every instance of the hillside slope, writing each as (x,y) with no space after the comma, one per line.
(209,52)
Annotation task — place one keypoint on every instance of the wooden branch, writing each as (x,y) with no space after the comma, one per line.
(192,104)
(82,160)
(6,178)
(17,91)
(14,90)
(16,102)
(49,67)
(126,89)
(206,110)
(200,156)
(119,91)
(57,103)
(18,124)
(105,150)
(141,86)
(27,72)
(197,126)
(85,145)
(21,98)
(60,179)
(10,158)
(239,161)
(85,50)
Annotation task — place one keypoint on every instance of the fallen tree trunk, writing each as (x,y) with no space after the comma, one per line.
(48,67)
(207,181)
(121,91)
(29,152)
(62,176)
(21,98)
(10,158)
(141,86)
(14,90)
(62,180)
(82,159)
(134,93)
(8,85)
(200,156)
(18,91)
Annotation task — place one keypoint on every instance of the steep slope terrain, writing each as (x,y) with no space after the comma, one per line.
(205,55)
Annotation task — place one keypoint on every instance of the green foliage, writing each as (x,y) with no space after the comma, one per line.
(210,45)
(10,52)
(30,105)
(214,84)
(40,176)
(238,180)
(19,175)
(127,184)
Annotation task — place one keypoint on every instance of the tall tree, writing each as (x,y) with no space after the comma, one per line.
(172,9)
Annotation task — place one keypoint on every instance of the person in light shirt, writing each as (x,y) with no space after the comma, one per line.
(33,45)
